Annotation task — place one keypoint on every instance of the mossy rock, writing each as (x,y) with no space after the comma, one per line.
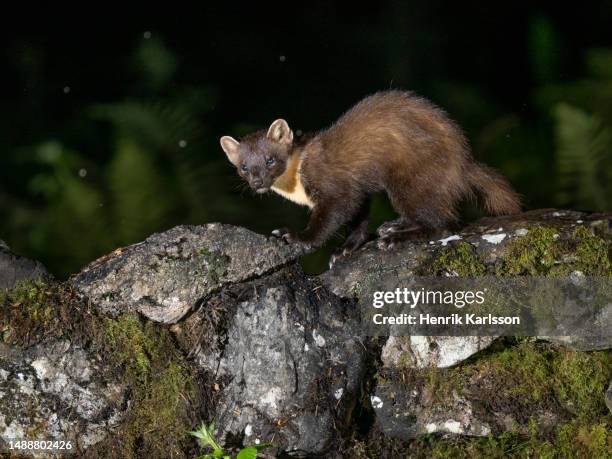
(547,251)
(543,251)
(165,402)
(540,399)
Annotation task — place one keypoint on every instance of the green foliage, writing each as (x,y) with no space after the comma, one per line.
(135,184)
(71,215)
(206,436)
(147,157)
(584,159)
(592,252)
(156,125)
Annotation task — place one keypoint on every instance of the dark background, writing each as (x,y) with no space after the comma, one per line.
(109,120)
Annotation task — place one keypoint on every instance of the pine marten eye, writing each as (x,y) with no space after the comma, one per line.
(270,162)
(244,168)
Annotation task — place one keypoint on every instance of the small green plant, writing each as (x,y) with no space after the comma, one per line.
(206,436)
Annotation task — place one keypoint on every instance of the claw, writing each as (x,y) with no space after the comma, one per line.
(386,243)
(332,261)
(280,232)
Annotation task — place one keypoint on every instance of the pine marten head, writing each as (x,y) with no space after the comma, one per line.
(261,157)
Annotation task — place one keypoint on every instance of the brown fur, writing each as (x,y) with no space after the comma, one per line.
(391,141)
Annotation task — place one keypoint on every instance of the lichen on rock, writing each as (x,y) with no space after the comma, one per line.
(166,276)
(290,367)
(535,390)
(273,355)
(113,386)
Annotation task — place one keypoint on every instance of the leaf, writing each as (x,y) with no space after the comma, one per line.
(206,436)
(156,125)
(584,146)
(247,453)
(141,199)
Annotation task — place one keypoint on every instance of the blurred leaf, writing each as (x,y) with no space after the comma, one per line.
(140,199)
(247,453)
(156,125)
(584,147)
(72,227)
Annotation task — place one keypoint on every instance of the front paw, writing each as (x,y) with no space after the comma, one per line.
(286,235)
(293,238)
(282,233)
(337,256)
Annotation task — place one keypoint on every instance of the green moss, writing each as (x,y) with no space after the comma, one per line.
(580,438)
(139,353)
(592,252)
(443,386)
(571,440)
(161,382)
(520,380)
(535,253)
(133,348)
(32,311)
(460,258)
(544,251)
(580,377)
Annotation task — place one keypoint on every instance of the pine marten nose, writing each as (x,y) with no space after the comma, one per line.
(257,182)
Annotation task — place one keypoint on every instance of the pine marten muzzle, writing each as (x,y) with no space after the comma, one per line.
(393,142)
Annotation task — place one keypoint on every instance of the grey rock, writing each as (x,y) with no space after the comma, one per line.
(59,391)
(407,404)
(591,342)
(431,351)
(280,355)
(293,365)
(14,268)
(352,276)
(405,413)
(169,273)
(405,409)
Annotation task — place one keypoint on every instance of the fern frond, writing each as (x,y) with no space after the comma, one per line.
(583,156)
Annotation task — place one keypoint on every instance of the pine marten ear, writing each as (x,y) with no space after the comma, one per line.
(280,131)
(231,147)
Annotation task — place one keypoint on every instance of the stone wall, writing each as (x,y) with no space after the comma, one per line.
(214,322)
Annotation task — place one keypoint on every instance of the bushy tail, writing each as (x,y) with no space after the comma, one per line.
(499,197)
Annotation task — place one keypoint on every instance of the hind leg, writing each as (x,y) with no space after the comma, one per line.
(358,235)
(421,215)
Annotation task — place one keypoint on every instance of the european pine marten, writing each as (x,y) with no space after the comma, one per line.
(391,141)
